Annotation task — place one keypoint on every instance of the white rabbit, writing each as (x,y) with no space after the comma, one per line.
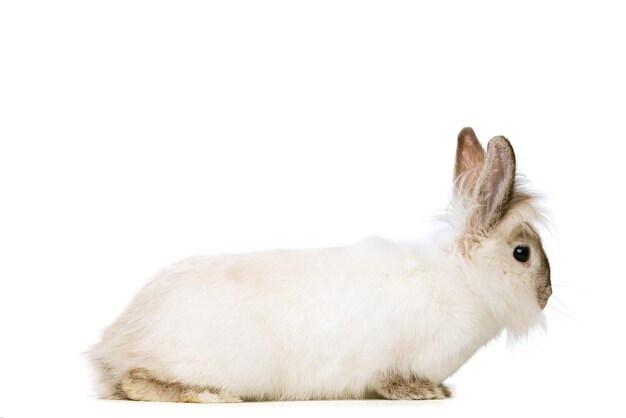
(377,318)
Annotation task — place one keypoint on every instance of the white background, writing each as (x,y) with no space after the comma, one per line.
(137,133)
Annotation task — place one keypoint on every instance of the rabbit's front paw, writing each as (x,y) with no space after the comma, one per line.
(414,388)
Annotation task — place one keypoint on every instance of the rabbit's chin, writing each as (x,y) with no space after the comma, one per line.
(526,318)
(518,308)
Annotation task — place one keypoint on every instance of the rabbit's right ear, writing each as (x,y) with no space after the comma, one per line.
(496,184)
(470,159)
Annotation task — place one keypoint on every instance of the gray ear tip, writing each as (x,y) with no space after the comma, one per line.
(501,146)
(500,142)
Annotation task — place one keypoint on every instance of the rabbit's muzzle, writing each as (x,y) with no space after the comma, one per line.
(544,290)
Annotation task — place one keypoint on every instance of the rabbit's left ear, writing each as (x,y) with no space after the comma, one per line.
(496,183)
(470,159)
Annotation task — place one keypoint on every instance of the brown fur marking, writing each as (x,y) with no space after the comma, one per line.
(414,388)
(140,385)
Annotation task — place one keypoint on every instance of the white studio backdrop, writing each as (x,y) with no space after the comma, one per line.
(134,134)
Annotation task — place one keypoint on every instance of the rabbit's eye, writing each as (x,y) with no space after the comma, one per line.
(521,253)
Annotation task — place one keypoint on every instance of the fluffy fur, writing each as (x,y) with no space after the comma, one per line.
(377,317)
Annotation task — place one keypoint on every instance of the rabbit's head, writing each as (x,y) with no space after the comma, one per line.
(496,218)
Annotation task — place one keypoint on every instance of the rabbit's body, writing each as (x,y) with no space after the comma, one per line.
(392,318)
(300,324)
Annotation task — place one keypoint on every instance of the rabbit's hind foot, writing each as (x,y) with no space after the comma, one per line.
(414,388)
(141,385)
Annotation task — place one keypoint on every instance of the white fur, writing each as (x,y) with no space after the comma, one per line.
(318,323)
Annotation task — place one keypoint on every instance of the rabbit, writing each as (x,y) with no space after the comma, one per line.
(377,318)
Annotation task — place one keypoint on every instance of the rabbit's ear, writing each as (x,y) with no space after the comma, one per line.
(496,183)
(470,158)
